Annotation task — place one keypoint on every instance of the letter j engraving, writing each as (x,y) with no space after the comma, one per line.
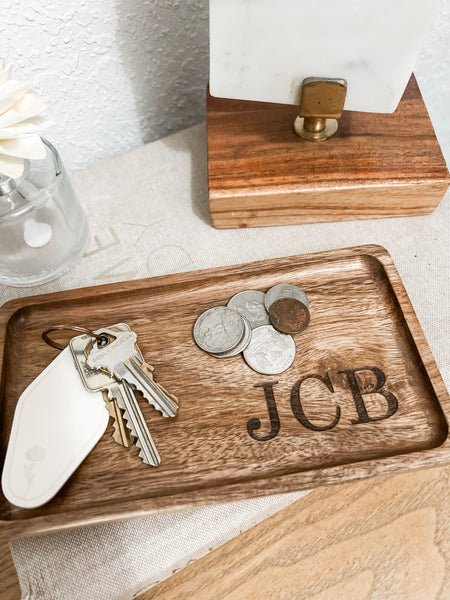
(255,423)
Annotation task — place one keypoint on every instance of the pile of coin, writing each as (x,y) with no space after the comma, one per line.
(257,324)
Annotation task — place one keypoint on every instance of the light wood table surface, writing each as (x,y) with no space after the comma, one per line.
(377,539)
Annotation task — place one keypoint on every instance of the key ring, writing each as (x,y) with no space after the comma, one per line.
(101,339)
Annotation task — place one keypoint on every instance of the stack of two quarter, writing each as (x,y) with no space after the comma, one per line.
(258,325)
(222,332)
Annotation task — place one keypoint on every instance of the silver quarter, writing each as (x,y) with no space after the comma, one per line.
(270,352)
(241,346)
(284,290)
(250,304)
(218,329)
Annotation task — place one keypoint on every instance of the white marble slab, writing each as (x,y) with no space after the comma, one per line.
(263,49)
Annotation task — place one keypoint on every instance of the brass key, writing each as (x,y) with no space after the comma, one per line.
(121,433)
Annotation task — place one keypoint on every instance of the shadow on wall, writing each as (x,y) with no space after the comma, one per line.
(163,45)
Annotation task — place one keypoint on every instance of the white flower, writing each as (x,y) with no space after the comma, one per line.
(20,124)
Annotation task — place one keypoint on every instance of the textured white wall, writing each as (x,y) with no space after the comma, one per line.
(433,75)
(118,73)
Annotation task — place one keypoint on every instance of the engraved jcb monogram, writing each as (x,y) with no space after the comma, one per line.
(373,387)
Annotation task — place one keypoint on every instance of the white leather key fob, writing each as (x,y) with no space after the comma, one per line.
(56,424)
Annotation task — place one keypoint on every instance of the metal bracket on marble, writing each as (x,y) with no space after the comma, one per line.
(321,104)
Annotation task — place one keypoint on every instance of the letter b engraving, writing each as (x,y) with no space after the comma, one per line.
(363,416)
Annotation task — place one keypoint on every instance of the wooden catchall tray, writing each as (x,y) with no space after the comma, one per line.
(363,397)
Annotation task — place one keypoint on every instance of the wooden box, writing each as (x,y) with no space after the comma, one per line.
(377,165)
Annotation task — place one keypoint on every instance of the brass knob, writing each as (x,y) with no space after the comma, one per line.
(321,104)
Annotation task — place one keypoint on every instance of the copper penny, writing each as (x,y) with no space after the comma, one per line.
(289,315)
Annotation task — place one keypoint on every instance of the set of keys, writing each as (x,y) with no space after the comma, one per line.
(116,367)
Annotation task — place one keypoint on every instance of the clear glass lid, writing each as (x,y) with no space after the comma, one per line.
(32,188)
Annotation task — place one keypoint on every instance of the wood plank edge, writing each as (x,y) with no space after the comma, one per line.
(10,588)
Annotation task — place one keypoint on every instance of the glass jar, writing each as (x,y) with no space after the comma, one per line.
(43,229)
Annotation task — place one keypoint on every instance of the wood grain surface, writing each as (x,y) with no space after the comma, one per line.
(369,540)
(9,583)
(377,165)
(377,539)
(364,396)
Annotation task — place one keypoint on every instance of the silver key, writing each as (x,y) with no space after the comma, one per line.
(120,392)
(96,381)
(120,359)
(126,400)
